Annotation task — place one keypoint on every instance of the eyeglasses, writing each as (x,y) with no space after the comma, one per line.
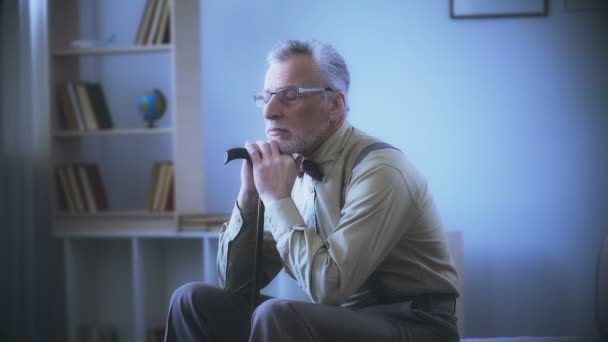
(286,95)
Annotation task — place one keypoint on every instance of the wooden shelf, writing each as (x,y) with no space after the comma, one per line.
(116,223)
(112,50)
(120,131)
(118,213)
(164,235)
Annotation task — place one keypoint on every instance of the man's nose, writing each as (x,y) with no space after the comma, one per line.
(272,109)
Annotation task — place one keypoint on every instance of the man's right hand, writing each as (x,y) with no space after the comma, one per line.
(248,195)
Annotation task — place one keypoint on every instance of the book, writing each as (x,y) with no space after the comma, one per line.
(152,187)
(167,33)
(86,107)
(97,186)
(144,23)
(75,105)
(67,117)
(170,202)
(80,187)
(74,188)
(164,21)
(161,188)
(166,187)
(85,181)
(100,106)
(64,189)
(162,174)
(158,8)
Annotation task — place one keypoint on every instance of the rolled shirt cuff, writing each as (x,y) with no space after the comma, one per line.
(237,219)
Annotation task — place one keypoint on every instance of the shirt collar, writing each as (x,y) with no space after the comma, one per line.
(326,154)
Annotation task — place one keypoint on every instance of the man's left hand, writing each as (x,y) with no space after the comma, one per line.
(273,173)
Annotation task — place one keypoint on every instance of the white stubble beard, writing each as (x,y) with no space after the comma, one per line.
(304,145)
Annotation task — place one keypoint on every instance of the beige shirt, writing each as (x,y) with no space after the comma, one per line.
(359,237)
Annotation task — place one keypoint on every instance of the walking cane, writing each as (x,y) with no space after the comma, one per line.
(241,153)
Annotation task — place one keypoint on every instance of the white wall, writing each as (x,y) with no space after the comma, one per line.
(506,117)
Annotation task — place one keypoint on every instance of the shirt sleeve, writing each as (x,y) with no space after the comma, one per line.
(378,204)
(236,253)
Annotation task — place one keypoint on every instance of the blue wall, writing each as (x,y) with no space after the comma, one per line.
(506,117)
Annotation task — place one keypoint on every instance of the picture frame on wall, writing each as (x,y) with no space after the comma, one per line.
(465,9)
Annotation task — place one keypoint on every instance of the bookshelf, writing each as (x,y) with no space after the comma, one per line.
(125,69)
(123,262)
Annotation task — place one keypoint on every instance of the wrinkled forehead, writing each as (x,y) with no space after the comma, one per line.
(298,70)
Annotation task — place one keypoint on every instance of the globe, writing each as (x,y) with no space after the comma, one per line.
(152,106)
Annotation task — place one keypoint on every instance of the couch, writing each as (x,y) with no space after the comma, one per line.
(601,302)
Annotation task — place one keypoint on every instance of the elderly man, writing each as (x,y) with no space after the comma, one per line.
(358,231)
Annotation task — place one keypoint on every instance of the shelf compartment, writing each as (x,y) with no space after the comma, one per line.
(126,164)
(164,265)
(99,286)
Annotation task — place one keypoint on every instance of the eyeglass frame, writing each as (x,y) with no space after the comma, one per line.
(265,96)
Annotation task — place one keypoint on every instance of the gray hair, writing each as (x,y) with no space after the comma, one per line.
(330,62)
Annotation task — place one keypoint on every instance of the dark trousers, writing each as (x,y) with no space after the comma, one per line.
(200,312)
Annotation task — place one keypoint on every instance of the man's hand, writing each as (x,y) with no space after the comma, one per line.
(273,173)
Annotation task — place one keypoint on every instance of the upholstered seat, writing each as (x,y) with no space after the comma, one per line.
(533,339)
(601,306)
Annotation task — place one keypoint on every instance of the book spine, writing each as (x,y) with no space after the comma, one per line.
(99,192)
(68,115)
(75,189)
(156,206)
(152,188)
(65,188)
(86,107)
(76,105)
(167,200)
(88,189)
(155,22)
(100,106)
(164,21)
(144,23)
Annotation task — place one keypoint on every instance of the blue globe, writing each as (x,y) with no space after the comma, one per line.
(152,106)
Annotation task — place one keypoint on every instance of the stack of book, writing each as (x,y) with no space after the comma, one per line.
(80,188)
(154,24)
(83,107)
(162,188)
(202,223)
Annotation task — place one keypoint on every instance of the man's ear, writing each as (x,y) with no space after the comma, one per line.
(338,106)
